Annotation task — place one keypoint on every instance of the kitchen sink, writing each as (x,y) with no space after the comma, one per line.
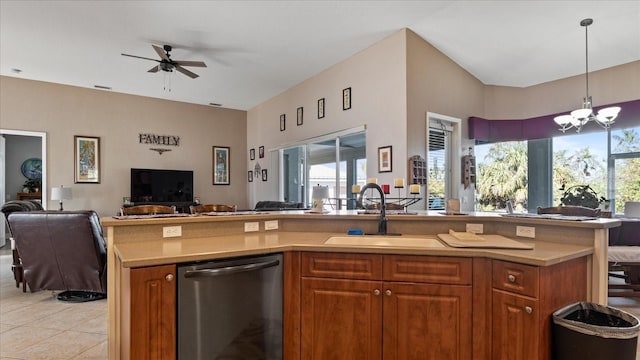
(381,240)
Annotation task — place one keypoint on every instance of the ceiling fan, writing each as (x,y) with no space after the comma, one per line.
(167,64)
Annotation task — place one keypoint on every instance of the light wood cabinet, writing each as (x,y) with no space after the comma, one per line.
(153,313)
(341,319)
(370,306)
(360,306)
(417,170)
(515,320)
(468,170)
(29,196)
(523,300)
(426,321)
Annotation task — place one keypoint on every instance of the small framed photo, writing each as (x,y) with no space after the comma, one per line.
(252,154)
(320,108)
(261,152)
(299,116)
(264,174)
(384,159)
(87,159)
(221,165)
(283,125)
(250,176)
(346,99)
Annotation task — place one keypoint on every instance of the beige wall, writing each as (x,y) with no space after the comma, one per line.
(436,84)
(64,111)
(615,84)
(394,84)
(377,79)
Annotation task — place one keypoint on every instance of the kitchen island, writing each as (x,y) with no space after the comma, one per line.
(576,249)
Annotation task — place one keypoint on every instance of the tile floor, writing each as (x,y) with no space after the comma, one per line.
(37,326)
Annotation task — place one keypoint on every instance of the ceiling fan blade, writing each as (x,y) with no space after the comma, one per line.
(186,72)
(154,69)
(190,63)
(160,52)
(140,57)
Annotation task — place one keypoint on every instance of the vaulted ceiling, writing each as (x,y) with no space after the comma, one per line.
(255,50)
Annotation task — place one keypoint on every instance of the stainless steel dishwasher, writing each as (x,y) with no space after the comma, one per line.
(230,309)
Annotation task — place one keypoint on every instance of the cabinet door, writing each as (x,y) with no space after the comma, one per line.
(341,319)
(515,327)
(425,321)
(153,313)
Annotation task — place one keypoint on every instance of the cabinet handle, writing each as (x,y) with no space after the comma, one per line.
(528,309)
(511,278)
(169,277)
(387,292)
(376,292)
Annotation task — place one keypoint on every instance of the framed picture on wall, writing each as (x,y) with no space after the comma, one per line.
(252,154)
(283,125)
(320,108)
(87,159)
(346,99)
(264,174)
(221,175)
(299,116)
(384,159)
(261,152)
(250,176)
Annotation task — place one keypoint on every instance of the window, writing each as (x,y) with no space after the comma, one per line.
(439,167)
(337,161)
(577,159)
(624,168)
(502,175)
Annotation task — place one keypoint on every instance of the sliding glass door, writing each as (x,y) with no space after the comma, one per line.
(337,161)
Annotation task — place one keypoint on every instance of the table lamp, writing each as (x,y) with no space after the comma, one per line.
(318,195)
(61,193)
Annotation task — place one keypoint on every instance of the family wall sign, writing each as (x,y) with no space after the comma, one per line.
(154,139)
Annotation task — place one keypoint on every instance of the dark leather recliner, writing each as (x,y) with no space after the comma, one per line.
(62,250)
(8,208)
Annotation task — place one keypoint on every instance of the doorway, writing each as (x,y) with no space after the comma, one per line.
(443,150)
(15,145)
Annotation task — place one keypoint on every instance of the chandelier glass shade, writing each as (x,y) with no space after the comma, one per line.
(580,117)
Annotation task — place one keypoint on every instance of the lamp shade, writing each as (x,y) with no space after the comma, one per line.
(320,192)
(563,119)
(318,195)
(608,115)
(60,193)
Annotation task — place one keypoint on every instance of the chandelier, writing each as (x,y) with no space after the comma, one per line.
(580,117)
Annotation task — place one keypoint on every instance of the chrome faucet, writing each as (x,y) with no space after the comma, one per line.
(382,222)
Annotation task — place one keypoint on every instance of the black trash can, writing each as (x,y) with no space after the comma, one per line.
(588,331)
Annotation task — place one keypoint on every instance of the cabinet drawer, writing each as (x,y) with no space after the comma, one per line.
(339,265)
(516,278)
(428,269)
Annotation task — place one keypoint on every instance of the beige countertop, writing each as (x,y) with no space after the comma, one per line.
(169,251)
(421,215)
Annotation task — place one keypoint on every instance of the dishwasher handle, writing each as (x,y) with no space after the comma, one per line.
(229,270)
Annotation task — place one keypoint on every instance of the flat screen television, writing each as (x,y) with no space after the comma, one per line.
(150,185)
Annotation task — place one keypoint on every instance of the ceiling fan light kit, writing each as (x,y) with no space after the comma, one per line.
(580,117)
